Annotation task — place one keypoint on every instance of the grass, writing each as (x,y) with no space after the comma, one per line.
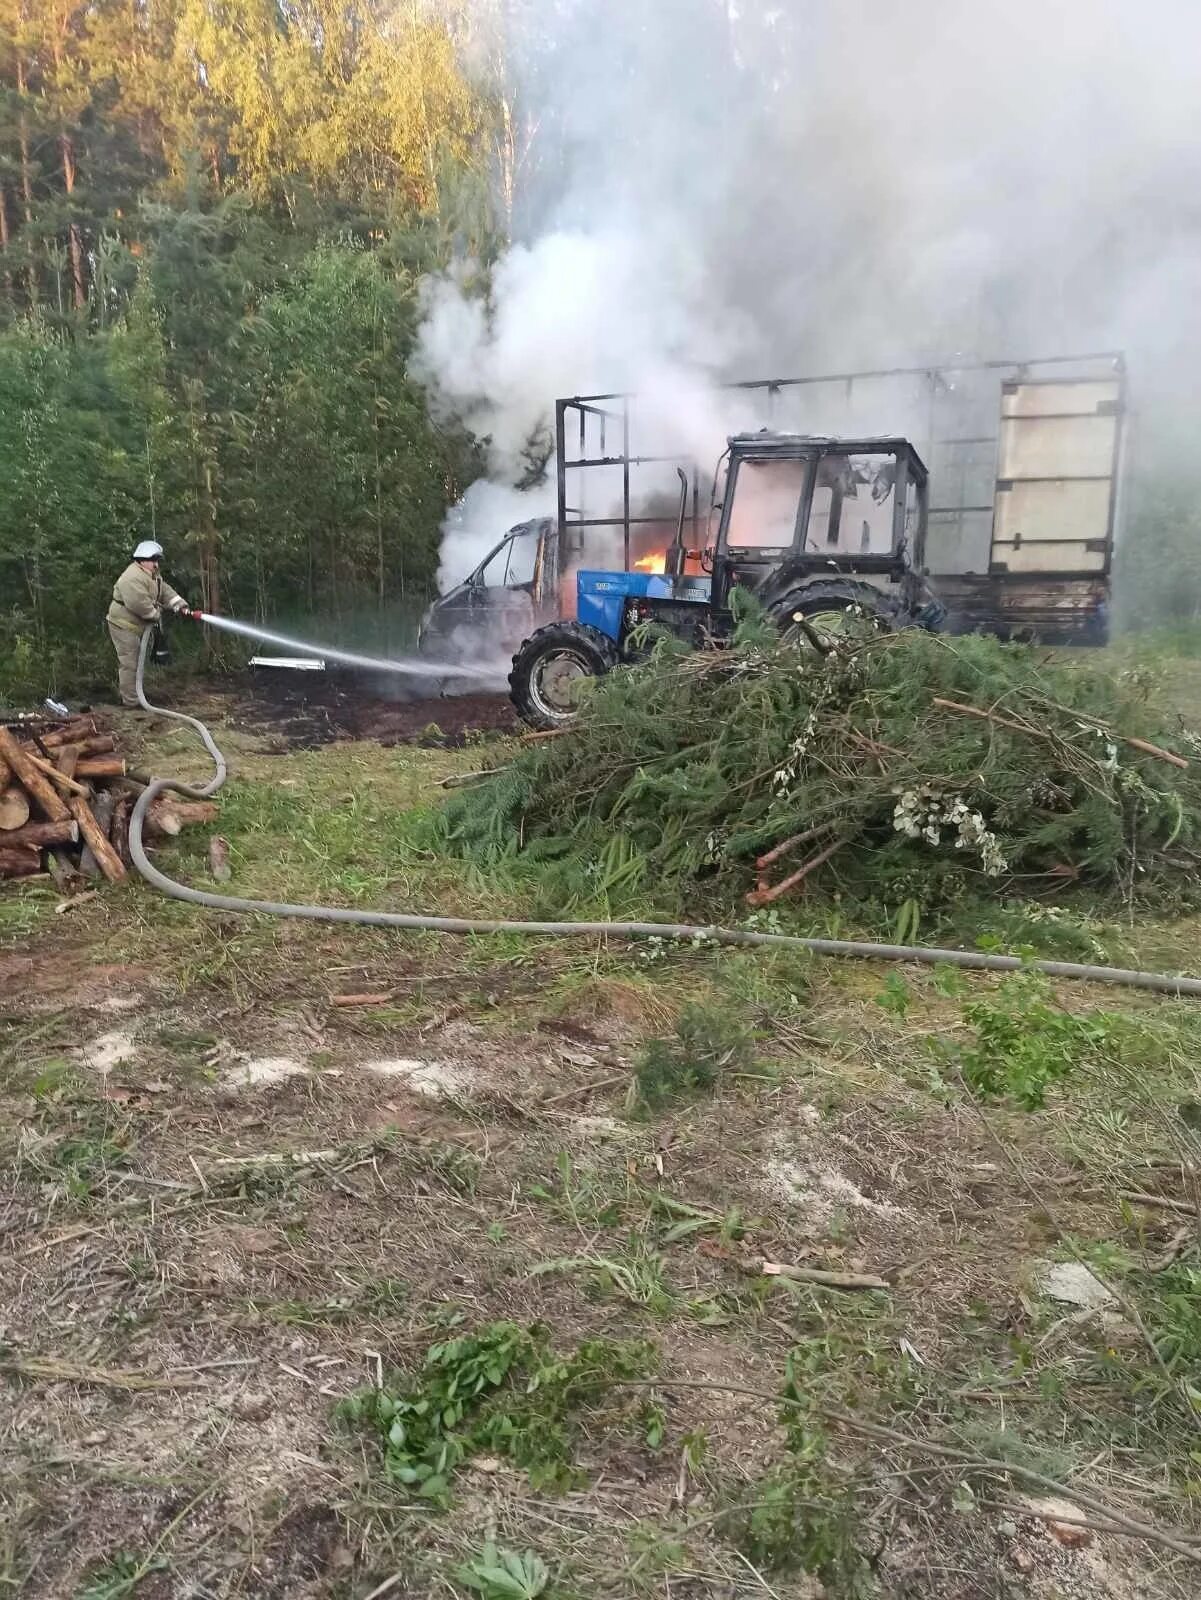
(708,1045)
(499,1574)
(175,1322)
(121,1576)
(500,1389)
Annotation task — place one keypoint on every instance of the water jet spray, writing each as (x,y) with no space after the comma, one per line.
(408,666)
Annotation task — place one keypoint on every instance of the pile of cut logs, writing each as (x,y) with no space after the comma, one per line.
(65,799)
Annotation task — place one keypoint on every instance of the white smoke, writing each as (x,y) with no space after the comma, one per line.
(722,189)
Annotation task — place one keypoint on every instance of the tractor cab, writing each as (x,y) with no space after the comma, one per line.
(796,510)
(815,528)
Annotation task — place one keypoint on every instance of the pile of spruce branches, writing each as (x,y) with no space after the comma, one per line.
(893,766)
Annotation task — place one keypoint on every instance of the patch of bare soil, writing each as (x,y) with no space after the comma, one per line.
(310,714)
(217,1222)
(71,975)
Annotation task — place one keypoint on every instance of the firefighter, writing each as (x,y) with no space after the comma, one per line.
(140,596)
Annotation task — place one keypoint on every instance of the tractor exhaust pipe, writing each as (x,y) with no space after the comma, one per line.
(673,561)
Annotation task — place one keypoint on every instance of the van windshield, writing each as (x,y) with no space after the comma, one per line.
(511,564)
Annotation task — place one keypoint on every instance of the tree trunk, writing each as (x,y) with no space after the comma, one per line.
(39,834)
(78,731)
(168,817)
(74,239)
(107,859)
(20,863)
(59,776)
(102,811)
(101,767)
(210,566)
(26,174)
(63,870)
(14,808)
(379,516)
(5,241)
(119,832)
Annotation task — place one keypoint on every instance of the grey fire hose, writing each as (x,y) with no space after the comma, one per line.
(1162,982)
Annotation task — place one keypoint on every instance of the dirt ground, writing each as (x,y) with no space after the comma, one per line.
(254,1169)
(316,713)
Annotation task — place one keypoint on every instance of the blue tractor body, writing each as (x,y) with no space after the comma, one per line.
(810,526)
(603,599)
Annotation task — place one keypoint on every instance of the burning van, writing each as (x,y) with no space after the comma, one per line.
(525,581)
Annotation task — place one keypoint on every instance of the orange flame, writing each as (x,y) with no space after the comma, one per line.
(656,561)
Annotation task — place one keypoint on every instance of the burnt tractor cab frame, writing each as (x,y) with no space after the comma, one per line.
(815,528)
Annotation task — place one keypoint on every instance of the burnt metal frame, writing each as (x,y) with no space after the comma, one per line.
(935,373)
(571,516)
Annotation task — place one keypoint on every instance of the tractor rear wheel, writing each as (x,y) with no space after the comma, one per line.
(549,668)
(823,613)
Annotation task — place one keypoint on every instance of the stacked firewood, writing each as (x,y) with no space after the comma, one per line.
(65,800)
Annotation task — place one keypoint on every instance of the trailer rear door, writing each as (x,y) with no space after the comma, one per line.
(1056,476)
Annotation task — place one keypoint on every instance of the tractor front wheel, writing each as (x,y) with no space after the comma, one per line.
(548,670)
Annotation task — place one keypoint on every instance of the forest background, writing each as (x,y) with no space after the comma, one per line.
(216,217)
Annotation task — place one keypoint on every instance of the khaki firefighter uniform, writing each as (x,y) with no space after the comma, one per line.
(139,598)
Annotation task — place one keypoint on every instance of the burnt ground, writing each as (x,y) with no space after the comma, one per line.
(310,714)
(229,1203)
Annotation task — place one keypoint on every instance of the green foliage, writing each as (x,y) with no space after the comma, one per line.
(699,762)
(708,1041)
(501,1389)
(207,310)
(253,413)
(1158,559)
(120,1577)
(499,1574)
(1024,1042)
(1066,932)
(376,1297)
(799,1514)
(1172,1310)
(894,997)
(636,1273)
(86,1161)
(797,1523)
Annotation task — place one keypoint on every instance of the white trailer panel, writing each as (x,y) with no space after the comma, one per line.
(1056,460)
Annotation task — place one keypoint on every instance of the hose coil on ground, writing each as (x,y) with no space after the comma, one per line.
(978,960)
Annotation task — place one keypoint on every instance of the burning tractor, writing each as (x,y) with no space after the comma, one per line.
(1027,457)
(814,528)
(516,587)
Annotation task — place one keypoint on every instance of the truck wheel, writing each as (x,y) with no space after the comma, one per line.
(549,668)
(829,611)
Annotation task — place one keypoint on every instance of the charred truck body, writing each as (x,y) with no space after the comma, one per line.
(1015,530)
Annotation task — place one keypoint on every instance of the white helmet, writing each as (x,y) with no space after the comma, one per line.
(148,550)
